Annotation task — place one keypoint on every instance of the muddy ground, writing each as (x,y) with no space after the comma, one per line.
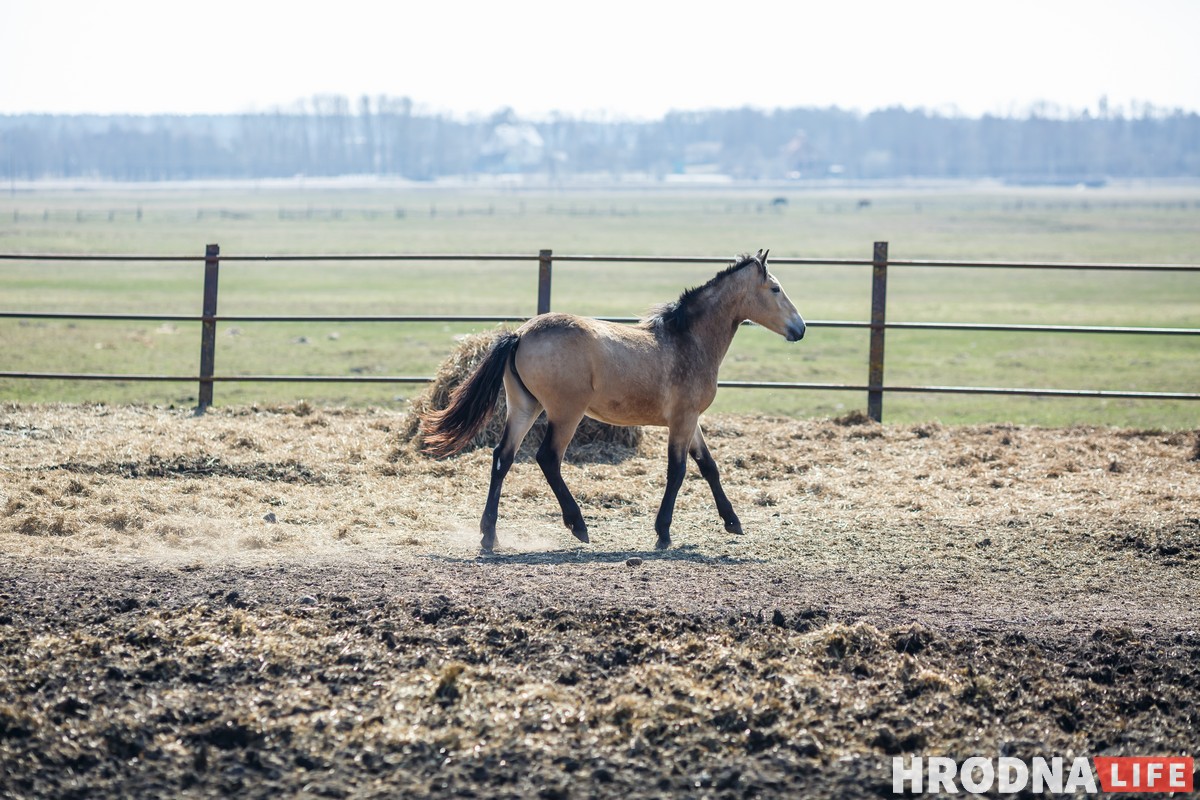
(290,601)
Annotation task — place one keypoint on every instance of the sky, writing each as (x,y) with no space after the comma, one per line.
(617,59)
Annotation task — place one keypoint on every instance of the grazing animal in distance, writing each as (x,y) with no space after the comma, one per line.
(661,371)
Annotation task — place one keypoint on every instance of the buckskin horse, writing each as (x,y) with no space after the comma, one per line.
(661,371)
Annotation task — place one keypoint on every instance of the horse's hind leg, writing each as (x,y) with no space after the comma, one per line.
(523,409)
(559,430)
(708,468)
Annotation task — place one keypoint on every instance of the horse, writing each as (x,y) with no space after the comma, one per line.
(661,371)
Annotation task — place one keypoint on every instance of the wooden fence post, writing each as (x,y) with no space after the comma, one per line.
(879,262)
(208,327)
(544,270)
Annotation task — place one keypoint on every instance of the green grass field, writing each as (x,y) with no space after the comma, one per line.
(1144,225)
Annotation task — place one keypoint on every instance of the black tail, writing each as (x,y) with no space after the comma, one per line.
(471,404)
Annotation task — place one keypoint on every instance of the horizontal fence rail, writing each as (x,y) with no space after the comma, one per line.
(816,323)
(875,388)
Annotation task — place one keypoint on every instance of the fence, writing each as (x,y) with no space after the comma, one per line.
(874,388)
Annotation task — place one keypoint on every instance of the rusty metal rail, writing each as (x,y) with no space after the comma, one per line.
(875,388)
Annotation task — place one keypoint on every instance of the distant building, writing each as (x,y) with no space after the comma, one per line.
(512,147)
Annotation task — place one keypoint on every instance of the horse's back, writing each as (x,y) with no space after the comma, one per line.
(587,339)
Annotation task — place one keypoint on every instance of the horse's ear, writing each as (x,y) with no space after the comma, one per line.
(761,258)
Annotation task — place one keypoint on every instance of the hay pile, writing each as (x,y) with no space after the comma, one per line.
(593,440)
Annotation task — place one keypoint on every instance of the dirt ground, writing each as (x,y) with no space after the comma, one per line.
(290,601)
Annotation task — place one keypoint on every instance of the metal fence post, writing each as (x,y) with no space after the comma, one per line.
(544,270)
(879,262)
(208,327)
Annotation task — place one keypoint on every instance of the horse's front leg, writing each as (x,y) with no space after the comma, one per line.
(678,442)
(708,468)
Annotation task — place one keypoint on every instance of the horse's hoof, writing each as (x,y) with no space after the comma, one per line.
(486,546)
(663,543)
(733,526)
(578,528)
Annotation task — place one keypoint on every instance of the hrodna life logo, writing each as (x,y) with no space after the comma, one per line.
(1006,775)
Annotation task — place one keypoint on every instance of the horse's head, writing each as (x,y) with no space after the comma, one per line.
(767,304)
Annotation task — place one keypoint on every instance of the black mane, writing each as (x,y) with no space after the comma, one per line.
(677,316)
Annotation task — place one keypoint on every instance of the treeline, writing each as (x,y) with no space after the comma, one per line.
(330,136)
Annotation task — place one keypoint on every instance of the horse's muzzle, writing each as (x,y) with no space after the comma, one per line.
(795,332)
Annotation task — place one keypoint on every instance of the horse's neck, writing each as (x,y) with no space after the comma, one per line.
(714,330)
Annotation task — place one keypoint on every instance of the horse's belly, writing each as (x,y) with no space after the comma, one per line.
(627,410)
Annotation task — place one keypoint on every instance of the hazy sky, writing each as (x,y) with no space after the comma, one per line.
(617,57)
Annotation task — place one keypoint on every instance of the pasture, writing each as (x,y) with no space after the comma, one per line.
(1136,224)
(290,600)
(283,597)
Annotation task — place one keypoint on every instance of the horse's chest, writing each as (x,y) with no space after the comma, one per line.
(695,377)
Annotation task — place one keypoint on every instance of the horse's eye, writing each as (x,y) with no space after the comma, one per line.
(775,289)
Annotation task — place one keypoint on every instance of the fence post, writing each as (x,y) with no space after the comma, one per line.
(544,270)
(208,327)
(879,262)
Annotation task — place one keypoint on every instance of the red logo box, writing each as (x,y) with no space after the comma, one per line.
(1145,773)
